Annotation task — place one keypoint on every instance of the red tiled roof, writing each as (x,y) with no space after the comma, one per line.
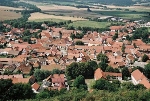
(138,75)
(20,80)
(35,86)
(100,74)
(145,82)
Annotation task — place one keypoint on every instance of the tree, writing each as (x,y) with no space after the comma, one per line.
(134,45)
(57,71)
(79,43)
(71,70)
(102,57)
(72,36)
(125,73)
(123,48)
(139,68)
(88,9)
(90,68)
(130,86)
(145,58)
(41,74)
(103,65)
(85,69)
(117,83)
(116,70)
(79,82)
(26,33)
(103,84)
(24,91)
(115,36)
(5,84)
(109,69)
(60,34)
(147,70)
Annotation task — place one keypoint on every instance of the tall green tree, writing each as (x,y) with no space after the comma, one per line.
(115,36)
(123,48)
(145,58)
(24,91)
(79,43)
(103,84)
(79,82)
(125,73)
(41,74)
(109,69)
(147,70)
(102,57)
(103,65)
(5,84)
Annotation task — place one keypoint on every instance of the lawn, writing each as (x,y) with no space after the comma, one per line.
(92,24)
(148,29)
(89,82)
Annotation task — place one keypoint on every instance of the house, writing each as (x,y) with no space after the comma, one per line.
(116,28)
(139,78)
(16,78)
(106,75)
(56,81)
(35,87)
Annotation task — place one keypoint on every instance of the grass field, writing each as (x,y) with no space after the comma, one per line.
(123,14)
(38,16)
(89,83)
(92,24)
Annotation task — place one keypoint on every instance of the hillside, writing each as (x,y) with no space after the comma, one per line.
(114,2)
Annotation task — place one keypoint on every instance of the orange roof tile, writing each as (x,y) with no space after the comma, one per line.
(35,86)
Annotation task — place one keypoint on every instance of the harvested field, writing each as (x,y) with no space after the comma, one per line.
(42,20)
(5,14)
(35,16)
(9,8)
(58,7)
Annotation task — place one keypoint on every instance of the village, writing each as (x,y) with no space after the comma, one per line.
(55,49)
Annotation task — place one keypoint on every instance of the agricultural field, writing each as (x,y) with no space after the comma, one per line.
(38,16)
(9,8)
(124,14)
(7,13)
(135,8)
(52,11)
(48,19)
(92,24)
(58,7)
(134,12)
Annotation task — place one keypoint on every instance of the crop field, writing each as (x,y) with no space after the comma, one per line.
(38,16)
(48,19)
(58,7)
(68,11)
(135,8)
(52,11)
(7,14)
(123,14)
(92,24)
(9,8)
